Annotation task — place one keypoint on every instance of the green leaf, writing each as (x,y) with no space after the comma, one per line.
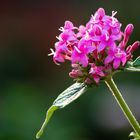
(132,69)
(134,135)
(133,66)
(65,98)
(48,116)
(136,63)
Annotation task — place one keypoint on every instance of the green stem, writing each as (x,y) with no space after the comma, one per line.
(127,112)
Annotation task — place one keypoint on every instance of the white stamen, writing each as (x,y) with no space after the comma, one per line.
(93,17)
(52,52)
(75,28)
(92,70)
(87,35)
(96,14)
(114,13)
(69,43)
(59,38)
(61,29)
(106,36)
(77,49)
(113,18)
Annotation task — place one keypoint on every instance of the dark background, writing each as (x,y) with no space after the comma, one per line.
(30,81)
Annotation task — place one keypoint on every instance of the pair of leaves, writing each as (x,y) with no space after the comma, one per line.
(65,98)
(133,66)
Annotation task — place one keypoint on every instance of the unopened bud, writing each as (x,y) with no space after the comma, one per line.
(129,29)
(101,12)
(129,56)
(75,65)
(135,46)
(88,81)
(128,49)
(73,74)
(127,32)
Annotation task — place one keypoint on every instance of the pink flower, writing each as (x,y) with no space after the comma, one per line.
(81,31)
(80,52)
(67,36)
(68,25)
(96,49)
(97,18)
(61,49)
(117,56)
(104,40)
(75,73)
(96,72)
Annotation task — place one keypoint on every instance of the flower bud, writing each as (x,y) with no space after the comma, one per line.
(75,65)
(134,46)
(129,29)
(101,12)
(88,81)
(128,48)
(127,32)
(73,74)
(129,56)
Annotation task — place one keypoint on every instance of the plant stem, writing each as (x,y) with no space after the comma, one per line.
(127,112)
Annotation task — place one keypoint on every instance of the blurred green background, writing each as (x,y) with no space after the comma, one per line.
(30,81)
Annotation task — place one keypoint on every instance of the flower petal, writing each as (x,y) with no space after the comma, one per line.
(108,59)
(123,59)
(83,60)
(96,78)
(101,46)
(68,25)
(90,49)
(116,63)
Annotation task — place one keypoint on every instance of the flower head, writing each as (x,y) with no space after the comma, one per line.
(96,49)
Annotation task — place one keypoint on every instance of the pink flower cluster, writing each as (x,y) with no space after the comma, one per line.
(96,49)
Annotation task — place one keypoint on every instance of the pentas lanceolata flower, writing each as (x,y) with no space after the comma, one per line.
(96,51)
